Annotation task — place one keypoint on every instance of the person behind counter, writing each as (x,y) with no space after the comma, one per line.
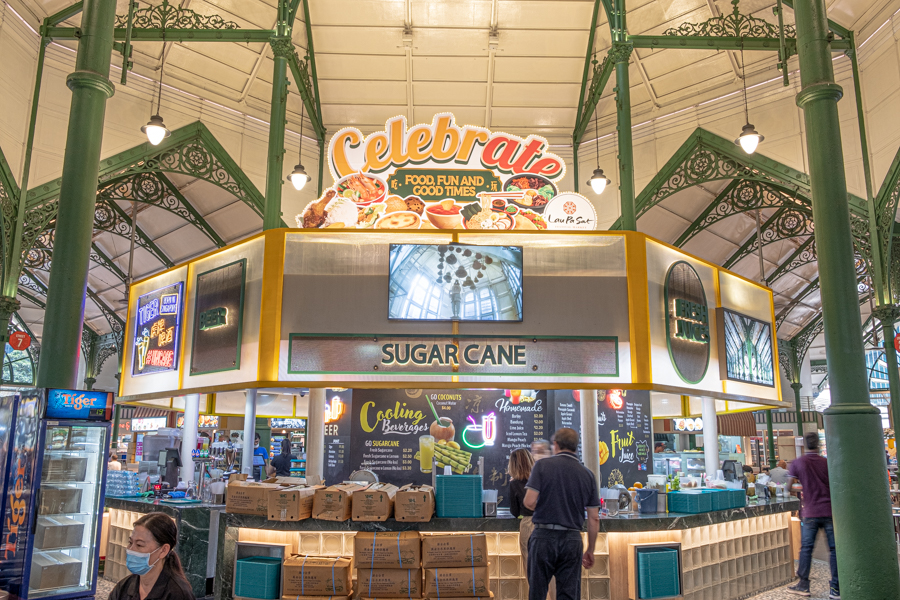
(261,466)
(156,568)
(282,462)
(780,474)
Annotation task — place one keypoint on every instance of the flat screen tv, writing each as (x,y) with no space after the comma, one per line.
(455,282)
(746,344)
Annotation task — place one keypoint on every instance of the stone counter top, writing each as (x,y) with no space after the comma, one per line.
(629,523)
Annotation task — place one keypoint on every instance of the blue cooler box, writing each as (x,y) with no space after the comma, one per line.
(258,577)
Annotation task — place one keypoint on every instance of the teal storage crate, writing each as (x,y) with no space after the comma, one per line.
(721,499)
(258,577)
(658,575)
(458,496)
(690,503)
(738,498)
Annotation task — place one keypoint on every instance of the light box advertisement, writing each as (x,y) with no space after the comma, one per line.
(157,332)
(79,404)
(746,345)
(444,175)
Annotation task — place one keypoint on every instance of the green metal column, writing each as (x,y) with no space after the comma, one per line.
(91,88)
(282,48)
(796,386)
(867,556)
(771,444)
(620,53)
(886,315)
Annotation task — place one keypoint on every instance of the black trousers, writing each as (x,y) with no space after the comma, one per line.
(556,553)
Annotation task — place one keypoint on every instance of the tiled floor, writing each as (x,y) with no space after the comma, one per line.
(818,577)
(104,587)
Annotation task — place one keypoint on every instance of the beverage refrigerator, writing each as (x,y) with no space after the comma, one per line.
(54,448)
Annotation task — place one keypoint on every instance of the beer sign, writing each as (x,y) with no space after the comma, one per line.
(157,333)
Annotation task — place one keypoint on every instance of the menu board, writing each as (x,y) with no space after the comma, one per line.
(337,466)
(396,433)
(625,431)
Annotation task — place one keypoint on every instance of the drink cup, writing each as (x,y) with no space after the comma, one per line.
(426,453)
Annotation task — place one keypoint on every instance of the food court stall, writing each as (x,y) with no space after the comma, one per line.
(445,303)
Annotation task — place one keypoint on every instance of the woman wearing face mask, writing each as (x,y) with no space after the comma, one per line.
(157,572)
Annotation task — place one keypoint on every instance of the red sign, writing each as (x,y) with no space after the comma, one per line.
(897,342)
(19,340)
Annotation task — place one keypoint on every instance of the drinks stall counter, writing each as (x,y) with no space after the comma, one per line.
(724,554)
(198,537)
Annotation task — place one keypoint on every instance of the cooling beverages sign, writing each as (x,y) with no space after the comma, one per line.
(444,175)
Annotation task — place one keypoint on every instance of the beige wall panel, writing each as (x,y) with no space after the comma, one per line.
(525,70)
(439,68)
(356,12)
(449,93)
(465,115)
(449,42)
(448,13)
(554,117)
(367,116)
(544,44)
(358,40)
(375,92)
(544,15)
(348,66)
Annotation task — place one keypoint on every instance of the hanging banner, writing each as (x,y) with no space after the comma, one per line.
(445,176)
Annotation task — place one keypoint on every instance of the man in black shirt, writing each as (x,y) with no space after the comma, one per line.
(559,491)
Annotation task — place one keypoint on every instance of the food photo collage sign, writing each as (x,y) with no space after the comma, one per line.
(445,176)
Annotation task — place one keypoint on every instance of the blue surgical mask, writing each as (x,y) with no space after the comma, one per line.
(139,562)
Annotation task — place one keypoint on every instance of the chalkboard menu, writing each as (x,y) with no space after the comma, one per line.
(337,436)
(397,432)
(218,319)
(625,427)
(157,330)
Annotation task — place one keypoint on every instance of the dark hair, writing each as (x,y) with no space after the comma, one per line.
(812,440)
(520,464)
(163,529)
(285,447)
(256,436)
(566,439)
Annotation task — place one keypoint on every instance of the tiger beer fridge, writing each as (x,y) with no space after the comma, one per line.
(53,493)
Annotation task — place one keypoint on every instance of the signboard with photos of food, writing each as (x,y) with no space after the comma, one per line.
(445,175)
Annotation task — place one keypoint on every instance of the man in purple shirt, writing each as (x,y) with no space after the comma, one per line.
(812,471)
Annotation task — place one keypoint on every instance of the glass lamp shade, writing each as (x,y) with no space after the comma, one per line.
(156,130)
(749,139)
(299,178)
(598,181)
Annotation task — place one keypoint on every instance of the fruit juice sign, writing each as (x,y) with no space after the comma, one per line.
(445,175)
(157,331)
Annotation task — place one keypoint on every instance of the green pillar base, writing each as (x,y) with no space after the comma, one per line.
(867,563)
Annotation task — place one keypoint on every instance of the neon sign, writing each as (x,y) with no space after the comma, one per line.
(334,410)
(615,399)
(76,404)
(488,430)
(157,330)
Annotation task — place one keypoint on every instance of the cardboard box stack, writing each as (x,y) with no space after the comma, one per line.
(414,504)
(388,565)
(291,503)
(456,566)
(335,502)
(375,503)
(248,498)
(316,576)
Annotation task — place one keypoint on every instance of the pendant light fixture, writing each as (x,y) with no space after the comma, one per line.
(598,180)
(155,129)
(298,176)
(749,138)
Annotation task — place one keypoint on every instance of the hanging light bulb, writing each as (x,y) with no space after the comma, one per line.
(155,130)
(598,180)
(298,176)
(749,138)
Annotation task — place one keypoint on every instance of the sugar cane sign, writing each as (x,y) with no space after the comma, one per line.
(157,334)
(444,175)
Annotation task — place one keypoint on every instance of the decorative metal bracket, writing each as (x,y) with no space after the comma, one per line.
(733,25)
(167,16)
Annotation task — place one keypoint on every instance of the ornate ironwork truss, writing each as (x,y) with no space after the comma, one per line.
(168,16)
(786,223)
(733,25)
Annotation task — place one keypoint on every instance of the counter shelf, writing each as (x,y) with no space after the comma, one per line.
(198,531)
(725,554)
